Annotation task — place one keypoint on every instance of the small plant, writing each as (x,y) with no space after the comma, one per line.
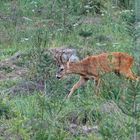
(5,110)
(129,105)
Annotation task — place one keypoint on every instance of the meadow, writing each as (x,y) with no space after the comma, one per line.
(32,104)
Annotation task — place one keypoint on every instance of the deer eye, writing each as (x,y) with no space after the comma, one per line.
(61,69)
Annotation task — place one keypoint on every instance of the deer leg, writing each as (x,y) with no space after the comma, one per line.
(81,82)
(129,74)
(97,83)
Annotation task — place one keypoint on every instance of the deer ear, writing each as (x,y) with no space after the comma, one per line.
(65,58)
(73,58)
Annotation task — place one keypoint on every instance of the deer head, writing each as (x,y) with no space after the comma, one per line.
(62,58)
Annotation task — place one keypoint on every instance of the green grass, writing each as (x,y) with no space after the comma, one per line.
(47,116)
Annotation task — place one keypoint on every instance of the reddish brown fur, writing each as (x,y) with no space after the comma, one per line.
(93,67)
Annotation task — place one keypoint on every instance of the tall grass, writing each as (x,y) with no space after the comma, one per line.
(33,26)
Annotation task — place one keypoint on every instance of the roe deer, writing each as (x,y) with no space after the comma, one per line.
(93,67)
